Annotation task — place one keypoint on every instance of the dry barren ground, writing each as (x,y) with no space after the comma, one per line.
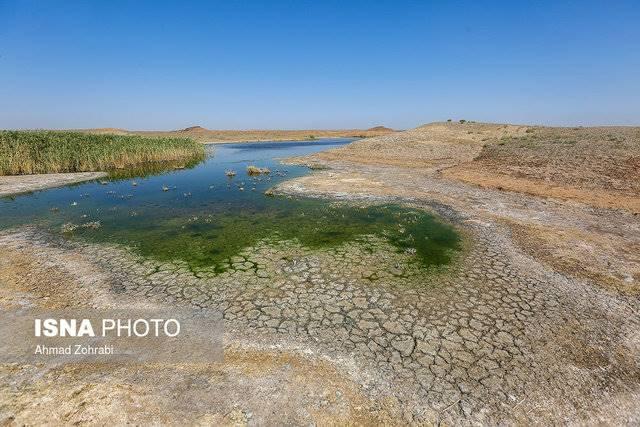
(537,322)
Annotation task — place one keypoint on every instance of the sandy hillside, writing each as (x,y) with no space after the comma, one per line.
(598,166)
(435,145)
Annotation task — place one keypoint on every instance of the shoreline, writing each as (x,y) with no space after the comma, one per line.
(11,185)
(14,185)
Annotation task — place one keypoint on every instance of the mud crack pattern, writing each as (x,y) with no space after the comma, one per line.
(493,337)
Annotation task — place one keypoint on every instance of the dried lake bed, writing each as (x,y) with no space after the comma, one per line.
(370,309)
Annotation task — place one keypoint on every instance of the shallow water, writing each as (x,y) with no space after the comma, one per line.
(204,217)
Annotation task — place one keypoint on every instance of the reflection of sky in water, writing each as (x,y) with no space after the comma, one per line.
(205,217)
(206,183)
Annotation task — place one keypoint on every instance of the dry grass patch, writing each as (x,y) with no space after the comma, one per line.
(597,166)
(430,147)
(609,260)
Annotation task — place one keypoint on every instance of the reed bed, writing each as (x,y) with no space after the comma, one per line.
(33,152)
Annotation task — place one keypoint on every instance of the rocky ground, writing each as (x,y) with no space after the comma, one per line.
(536,321)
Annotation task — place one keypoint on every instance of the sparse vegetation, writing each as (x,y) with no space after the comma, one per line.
(33,152)
(462,121)
(596,165)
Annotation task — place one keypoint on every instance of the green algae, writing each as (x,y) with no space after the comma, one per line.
(210,240)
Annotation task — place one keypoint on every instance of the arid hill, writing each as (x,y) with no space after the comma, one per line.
(599,166)
(595,165)
(380,129)
(194,129)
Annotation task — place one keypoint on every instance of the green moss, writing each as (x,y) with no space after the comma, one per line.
(210,240)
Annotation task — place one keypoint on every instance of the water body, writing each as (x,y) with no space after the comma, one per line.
(201,216)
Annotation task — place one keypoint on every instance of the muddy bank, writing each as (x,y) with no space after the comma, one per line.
(586,248)
(17,184)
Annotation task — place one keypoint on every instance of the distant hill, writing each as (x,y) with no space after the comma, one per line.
(194,129)
(199,133)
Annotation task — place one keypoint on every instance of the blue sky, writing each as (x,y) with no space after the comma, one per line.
(317,64)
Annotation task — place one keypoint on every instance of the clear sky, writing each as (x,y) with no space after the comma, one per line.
(317,64)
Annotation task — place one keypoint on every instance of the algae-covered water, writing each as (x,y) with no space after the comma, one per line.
(201,216)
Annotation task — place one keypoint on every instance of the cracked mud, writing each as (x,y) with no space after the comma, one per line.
(469,342)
